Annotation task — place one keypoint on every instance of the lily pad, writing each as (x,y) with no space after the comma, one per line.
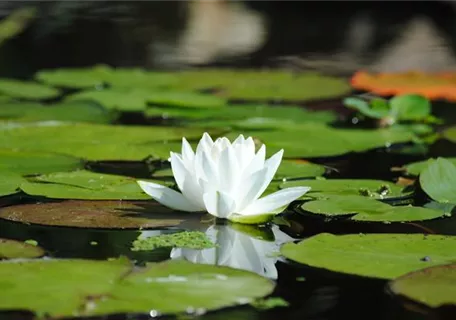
(27,90)
(12,249)
(376,189)
(360,208)
(384,256)
(95,141)
(24,163)
(438,180)
(416,168)
(433,287)
(108,287)
(450,133)
(9,183)
(97,214)
(85,185)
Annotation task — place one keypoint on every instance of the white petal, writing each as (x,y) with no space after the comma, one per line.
(205,143)
(249,145)
(219,204)
(256,162)
(187,152)
(168,197)
(193,191)
(272,164)
(210,170)
(274,201)
(228,170)
(249,189)
(179,170)
(239,140)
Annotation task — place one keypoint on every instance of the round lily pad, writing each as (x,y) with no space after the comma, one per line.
(433,286)
(359,208)
(376,189)
(438,180)
(384,256)
(415,168)
(113,287)
(97,214)
(12,249)
(23,162)
(84,184)
(27,90)
(95,141)
(9,183)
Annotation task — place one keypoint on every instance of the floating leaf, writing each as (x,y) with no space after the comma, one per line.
(438,180)
(15,23)
(366,109)
(9,183)
(415,168)
(27,90)
(376,189)
(433,287)
(360,208)
(24,163)
(384,256)
(12,249)
(95,141)
(290,169)
(450,134)
(97,214)
(108,287)
(410,107)
(85,185)
(430,85)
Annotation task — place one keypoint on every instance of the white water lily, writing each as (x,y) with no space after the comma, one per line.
(238,250)
(224,179)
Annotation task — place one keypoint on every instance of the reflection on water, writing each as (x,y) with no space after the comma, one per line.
(249,249)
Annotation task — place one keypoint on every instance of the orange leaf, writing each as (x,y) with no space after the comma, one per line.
(430,85)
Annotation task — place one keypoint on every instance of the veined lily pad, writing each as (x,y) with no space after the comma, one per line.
(376,189)
(98,214)
(438,180)
(367,209)
(94,141)
(84,185)
(433,287)
(27,90)
(108,287)
(23,162)
(416,168)
(385,256)
(12,249)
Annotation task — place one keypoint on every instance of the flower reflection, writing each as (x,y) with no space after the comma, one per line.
(248,248)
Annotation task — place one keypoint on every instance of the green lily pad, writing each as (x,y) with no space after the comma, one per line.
(438,180)
(410,107)
(98,214)
(108,287)
(71,111)
(24,163)
(263,85)
(385,256)
(450,134)
(416,168)
(12,249)
(433,287)
(367,209)
(376,189)
(16,22)
(319,140)
(95,141)
(27,90)
(186,99)
(9,183)
(84,185)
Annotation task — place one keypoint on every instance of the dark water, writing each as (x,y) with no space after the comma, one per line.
(323,295)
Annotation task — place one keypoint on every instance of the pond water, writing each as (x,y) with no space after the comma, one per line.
(74,141)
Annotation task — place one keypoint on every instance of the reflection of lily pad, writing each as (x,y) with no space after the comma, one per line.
(23,162)
(70,111)
(416,168)
(92,141)
(319,140)
(366,209)
(27,90)
(11,249)
(438,180)
(108,287)
(385,256)
(433,287)
(97,214)
(84,185)
(376,189)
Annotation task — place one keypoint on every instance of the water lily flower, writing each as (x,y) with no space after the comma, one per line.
(238,249)
(224,179)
